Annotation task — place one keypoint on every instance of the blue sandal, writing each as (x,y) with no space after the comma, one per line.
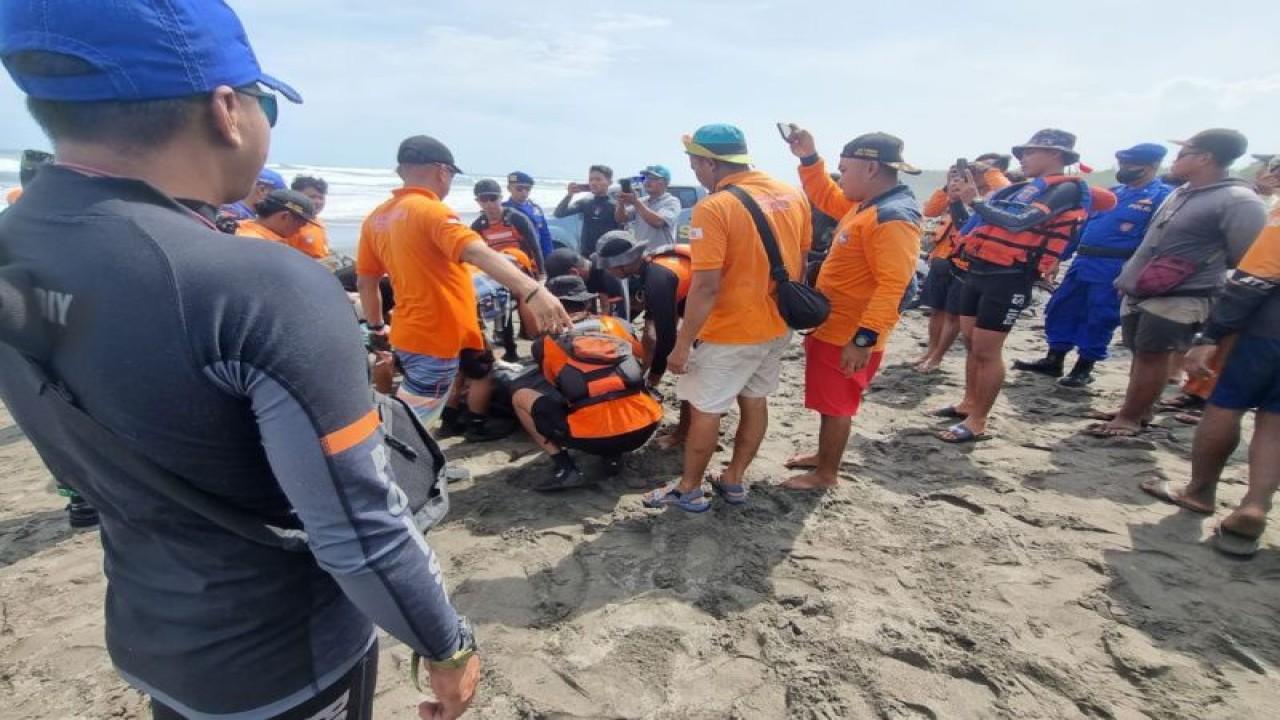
(694,501)
(732,494)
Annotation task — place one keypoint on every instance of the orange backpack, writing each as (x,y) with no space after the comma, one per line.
(590,365)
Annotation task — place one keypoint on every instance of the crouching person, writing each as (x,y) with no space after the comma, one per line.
(589,393)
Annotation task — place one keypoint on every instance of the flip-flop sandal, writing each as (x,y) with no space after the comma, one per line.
(1188,418)
(1181,402)
(732,494)
(949,412)
(1163,492)
(1103,430)
(795,464)
(1229,542)
(694,501)
(961,434)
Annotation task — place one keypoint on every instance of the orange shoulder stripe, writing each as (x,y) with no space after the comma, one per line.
(348,437)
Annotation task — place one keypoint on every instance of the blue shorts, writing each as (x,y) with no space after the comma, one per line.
(1251,378)
(426,384)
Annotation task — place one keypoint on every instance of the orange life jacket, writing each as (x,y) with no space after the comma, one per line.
(1040,247)
(679,260)
(505,239)
(593,363)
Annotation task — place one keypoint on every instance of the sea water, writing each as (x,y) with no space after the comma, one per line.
(355,191)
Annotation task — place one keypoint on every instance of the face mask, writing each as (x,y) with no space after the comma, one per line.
(1128,175)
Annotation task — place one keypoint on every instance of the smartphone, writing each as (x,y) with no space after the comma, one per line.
(786,130)
(962,166)
(625,183)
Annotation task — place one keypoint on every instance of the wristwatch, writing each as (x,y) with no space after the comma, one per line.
(865,338)
(466,648)
(1202,339)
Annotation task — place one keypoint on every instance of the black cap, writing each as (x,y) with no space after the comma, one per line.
(295,202)
(424,150)
(617,248)
(562,261)
(879,147)
(570,287)
(488,187)
(1223,144)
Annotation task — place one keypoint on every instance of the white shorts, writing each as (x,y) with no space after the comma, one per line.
(719,373)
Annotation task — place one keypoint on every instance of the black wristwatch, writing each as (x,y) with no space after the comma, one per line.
(1202,339)
(865,338)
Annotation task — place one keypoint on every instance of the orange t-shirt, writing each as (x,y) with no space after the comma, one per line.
(255,229)
(872,258)
(312,240)
(418,241)
(723,237)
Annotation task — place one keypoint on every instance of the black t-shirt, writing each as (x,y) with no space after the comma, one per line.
(597,219)
(658,290)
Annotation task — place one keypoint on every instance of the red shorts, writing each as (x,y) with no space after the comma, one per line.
(826,389)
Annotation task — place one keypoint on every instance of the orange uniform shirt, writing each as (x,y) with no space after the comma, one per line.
(872,258)
(418,241)
(254,229)
(723,237)
(312,241)
(12,196)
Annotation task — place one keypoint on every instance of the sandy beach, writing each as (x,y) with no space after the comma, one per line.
(1021,577)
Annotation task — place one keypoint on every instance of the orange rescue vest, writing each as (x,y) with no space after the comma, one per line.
(1040,247)
(593,363)
(679,260)
(506,239)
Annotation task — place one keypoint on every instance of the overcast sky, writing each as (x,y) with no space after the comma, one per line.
(551,86)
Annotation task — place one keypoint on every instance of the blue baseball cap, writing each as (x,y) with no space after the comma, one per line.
(520,178)
(272,179)
(659,171)
(129,50)
(1143,154)
(718,142)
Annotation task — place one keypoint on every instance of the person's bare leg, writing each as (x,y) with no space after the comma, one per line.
(699,446)
(1177,361)
(522,402)
(967,326)
(950,330)
(752,425)
(480,394)
(986,355)
(936,321)
(833,436)
(1250,519)
(1147,378)
(1216,438)
(678,434)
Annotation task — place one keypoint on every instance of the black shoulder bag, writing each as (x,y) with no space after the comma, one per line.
(801,307)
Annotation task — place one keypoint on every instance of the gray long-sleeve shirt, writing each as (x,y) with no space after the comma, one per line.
(1212,226)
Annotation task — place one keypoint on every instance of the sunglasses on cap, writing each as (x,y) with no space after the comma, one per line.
(268,102)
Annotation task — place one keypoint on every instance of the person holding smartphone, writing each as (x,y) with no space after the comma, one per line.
(651,218)
(598,211)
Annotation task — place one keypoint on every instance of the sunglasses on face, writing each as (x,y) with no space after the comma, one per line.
(1188,153)
(268,102)
(487,198)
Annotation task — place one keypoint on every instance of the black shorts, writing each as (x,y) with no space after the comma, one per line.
(955,290)
(995,299)
(937,285)
(551,420)
(349,698)
(1147,332)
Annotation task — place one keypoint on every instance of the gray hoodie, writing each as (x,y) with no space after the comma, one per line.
(1213,226)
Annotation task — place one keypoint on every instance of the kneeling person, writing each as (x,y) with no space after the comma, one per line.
(590,394)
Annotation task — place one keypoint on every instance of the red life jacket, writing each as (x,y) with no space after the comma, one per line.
(679,260)
(1040,247)
(593,363)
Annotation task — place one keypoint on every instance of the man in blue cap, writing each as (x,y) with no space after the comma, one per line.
(652,218)
(520,184)
(204,368)
(1084,311)
(268,181)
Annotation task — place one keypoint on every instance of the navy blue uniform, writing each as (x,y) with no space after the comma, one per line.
(1084,311)
(237,365)
(533,211)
